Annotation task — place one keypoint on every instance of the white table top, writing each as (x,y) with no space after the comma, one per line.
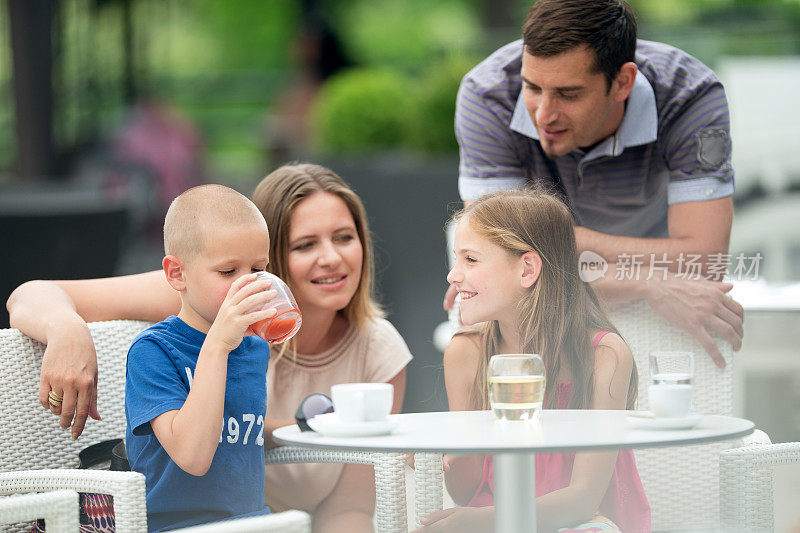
(558,430)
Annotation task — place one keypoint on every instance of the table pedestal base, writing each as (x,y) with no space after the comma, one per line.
(515,492)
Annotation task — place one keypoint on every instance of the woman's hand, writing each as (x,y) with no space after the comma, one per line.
(69,370)
(459,520)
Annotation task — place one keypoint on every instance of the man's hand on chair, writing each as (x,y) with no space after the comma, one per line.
(700,307)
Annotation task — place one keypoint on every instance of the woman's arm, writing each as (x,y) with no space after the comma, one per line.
(145,296)
(591,471)
(351,504)
(462,473)
(56,312)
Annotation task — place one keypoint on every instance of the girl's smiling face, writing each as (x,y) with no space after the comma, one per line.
(487,277)
(325,253)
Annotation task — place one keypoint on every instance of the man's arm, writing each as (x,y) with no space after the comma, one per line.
(693,303)
(699,228)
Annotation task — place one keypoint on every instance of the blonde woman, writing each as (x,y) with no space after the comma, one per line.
(320,244)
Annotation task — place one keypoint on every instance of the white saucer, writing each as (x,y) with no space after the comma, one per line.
(684,422)
(329,425)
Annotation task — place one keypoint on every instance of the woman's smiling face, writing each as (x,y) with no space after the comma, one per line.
(325,253)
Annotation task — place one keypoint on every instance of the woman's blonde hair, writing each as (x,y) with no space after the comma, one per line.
(278,195)
(560,311)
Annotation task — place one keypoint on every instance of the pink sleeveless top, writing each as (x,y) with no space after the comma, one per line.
(624,502)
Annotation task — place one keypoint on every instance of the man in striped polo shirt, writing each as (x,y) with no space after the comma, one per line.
(635,136)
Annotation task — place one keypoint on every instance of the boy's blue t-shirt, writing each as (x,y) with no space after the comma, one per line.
(160,368)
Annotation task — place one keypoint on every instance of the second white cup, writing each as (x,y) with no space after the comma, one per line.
(671,400)
(362,402)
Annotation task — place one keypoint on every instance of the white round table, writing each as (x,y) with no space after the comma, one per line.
(515,444)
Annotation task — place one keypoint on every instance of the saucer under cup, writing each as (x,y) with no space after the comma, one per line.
(329,425)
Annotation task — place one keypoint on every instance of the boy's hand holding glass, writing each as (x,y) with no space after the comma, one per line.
(243,305)
(286,322)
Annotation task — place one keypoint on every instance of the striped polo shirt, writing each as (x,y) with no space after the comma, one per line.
(672,146)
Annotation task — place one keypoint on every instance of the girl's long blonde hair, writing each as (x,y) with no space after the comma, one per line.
(560,312)
(277,197)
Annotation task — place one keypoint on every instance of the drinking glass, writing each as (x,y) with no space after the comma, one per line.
(286,323)
(671,387)
(516,385)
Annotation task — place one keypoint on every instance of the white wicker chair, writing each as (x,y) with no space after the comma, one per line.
(59,509)
(694,487)
(37,455)
(683,483)
(30,437)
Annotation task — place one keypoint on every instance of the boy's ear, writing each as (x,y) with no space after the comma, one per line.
(173,269)
(531,268)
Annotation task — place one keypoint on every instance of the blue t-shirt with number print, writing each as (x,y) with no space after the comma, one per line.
(160,368)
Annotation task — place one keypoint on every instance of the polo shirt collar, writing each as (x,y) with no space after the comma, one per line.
(639,124)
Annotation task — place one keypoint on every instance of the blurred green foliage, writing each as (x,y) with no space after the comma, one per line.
(406,34)
(377,108)
(431,124)
(224,61)
(362,109)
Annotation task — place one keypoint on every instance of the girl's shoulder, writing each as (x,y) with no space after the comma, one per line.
(463,350)
(611,349)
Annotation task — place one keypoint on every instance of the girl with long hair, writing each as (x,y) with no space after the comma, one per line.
(516,271)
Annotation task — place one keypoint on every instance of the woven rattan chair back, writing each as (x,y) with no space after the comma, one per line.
(681,483)
(30,437)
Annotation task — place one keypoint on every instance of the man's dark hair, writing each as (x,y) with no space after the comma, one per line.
(607,27)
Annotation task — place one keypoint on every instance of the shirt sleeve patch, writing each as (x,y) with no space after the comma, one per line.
(713,149)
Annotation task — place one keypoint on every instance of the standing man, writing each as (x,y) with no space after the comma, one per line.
(635,136)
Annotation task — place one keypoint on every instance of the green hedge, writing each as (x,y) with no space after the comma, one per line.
(363,109)
(367,109)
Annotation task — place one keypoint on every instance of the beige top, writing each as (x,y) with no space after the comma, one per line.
(376,353)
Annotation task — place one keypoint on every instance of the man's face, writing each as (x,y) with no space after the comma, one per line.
(570,104)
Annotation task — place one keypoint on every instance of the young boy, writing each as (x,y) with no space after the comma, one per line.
(195,392)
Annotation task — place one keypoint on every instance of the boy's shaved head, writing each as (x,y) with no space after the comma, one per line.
(196,210)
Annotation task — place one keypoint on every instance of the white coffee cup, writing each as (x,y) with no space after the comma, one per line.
(362,402)
(671,400)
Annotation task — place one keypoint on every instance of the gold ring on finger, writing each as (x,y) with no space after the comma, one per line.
(54,399)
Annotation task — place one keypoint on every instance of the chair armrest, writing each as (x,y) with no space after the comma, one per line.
(746,484)
(127,488)
(58,508)
(286,522)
